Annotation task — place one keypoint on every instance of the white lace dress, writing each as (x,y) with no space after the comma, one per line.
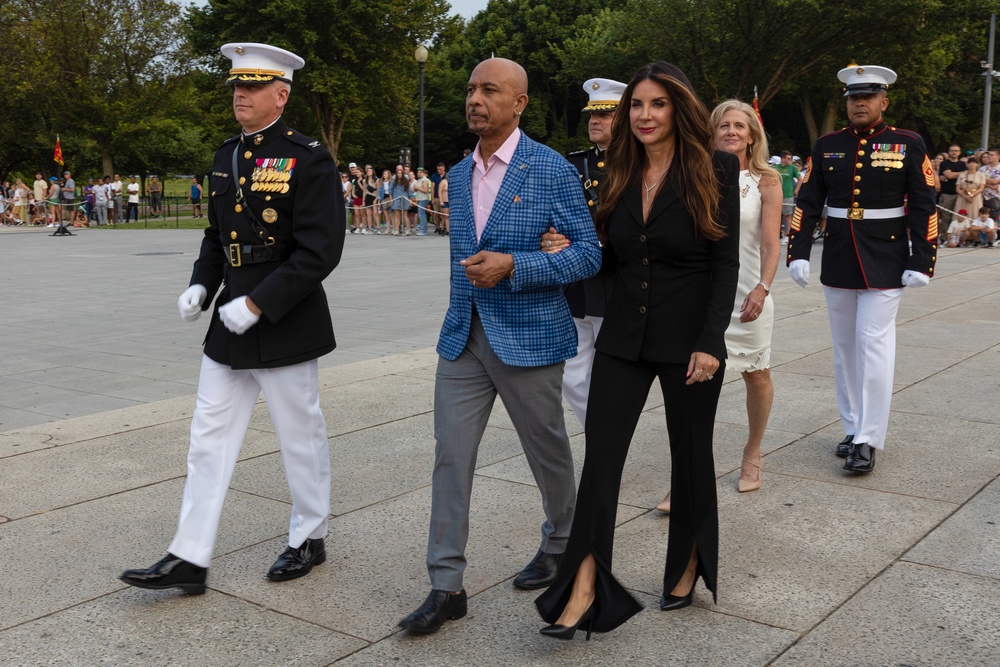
(749,345)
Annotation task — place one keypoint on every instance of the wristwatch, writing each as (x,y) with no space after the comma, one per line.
(767,290)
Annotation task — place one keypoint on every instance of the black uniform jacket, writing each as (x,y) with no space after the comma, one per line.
(880,167)
(590,296)
(306,221)
(674,290)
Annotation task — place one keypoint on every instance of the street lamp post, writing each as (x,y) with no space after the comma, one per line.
(420,55)
(990,73)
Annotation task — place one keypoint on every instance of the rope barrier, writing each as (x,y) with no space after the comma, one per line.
(381,202)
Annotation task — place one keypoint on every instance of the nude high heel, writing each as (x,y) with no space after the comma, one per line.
(664,507)
(750,474)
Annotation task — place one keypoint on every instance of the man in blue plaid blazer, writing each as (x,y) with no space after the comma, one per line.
(508,330)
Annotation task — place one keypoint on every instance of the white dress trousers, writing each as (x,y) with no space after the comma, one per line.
(226,400)
(863,326)
(576,373)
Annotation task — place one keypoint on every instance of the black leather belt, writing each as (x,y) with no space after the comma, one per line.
(240,254)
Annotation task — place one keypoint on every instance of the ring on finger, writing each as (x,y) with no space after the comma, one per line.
(709,376)
(473,283)
(548,244)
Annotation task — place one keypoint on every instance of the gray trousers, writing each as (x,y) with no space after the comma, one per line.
(464,393)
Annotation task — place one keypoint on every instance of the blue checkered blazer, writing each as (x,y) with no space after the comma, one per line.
(526,318)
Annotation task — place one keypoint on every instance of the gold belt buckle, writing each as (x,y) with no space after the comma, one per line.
(235,259)
(855,214)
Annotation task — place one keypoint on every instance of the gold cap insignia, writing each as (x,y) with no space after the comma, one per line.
(240,50)
(596,86)
(861,70)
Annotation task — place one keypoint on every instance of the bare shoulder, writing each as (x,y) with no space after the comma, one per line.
(770,187)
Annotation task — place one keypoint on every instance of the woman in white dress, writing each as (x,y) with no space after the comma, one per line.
(748,338)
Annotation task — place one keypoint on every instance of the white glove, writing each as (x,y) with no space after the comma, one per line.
(236,316)
(915,279)
(799,271)
(189,303)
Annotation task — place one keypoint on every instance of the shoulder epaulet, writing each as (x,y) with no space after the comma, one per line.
(900,130)
(303,140)
(834,133)
(574,153)
(229,140)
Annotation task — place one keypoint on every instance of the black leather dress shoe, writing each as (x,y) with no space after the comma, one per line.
(297,562)
(439,607)
(861,458)
(844,446)
(539,573)
(170,572)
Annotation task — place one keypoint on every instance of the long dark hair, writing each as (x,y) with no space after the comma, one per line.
(692,175)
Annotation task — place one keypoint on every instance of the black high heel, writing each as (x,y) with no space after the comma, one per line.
(567,631)
(670,602)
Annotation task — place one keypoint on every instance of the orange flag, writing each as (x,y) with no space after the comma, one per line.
(57,155)
(756,109)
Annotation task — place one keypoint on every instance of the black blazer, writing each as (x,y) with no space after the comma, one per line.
(291,184)
(674,291)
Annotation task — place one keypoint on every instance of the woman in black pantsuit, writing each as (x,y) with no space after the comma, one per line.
(670,221)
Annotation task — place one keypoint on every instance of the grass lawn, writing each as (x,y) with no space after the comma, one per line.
(178,187)
(185,222)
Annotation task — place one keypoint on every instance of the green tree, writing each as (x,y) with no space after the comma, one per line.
(360,75)
(791,51)
(532,33)
(112,81)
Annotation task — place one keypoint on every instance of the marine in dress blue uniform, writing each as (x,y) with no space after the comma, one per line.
(588,298)
(881,235)
(276,231)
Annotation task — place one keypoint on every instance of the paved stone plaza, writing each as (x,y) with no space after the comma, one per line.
(97,385)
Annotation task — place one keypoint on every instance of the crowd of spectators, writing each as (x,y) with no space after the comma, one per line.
(55,201)
(400,202)
(969,196)
(404,202)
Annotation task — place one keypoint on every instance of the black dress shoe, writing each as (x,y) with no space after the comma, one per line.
(671,602)
(170,572)
(861,458)
(844,446)
(539,573)
(297,562)
(439,607)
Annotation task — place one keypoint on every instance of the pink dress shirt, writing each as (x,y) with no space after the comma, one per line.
(486,180)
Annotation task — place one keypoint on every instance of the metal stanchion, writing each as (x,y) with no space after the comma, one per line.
(61,230)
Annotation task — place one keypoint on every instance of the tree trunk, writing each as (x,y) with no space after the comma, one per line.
(830,119)
(106,162)
(810,117)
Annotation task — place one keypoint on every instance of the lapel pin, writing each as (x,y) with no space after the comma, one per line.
(516,199)
(522,166)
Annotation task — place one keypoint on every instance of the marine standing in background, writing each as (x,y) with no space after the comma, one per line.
(865,173)
(276,231)
(588,298)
